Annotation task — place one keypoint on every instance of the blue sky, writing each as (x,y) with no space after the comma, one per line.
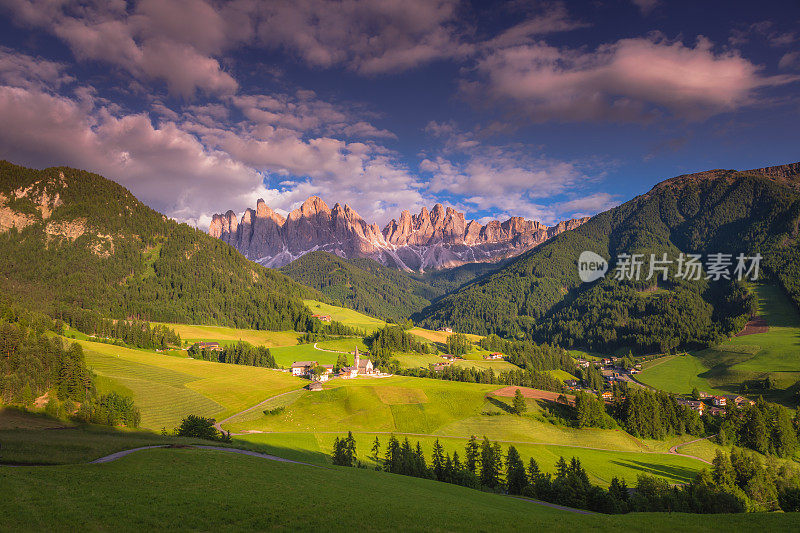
(546,110)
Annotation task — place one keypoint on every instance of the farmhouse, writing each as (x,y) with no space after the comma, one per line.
(302,368)
(716,411)
(693,404)
(445,329)
(439,367)
(315,386)
(324,318)
(209,346)
(607,396)
(572,383)
(495,355)
(741,402)
(719,401)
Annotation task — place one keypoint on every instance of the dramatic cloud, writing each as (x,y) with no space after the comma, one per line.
(495,178)
(170,41)
(630,80)
(192,164)
(21,70)
(369,37)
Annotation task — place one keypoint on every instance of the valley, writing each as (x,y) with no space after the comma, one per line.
(602,385)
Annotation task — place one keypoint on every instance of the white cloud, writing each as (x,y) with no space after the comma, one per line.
(629,80)
(170,41)
(21,70)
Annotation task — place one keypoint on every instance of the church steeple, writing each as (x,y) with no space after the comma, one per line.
(356,361)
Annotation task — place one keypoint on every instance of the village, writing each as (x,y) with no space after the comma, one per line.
(320,373)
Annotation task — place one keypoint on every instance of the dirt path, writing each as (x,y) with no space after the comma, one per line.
(674,449)
(218,425)
(330,351)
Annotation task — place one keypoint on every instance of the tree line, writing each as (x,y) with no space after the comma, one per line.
(737,483)
(239,353)
(33,363)
(132,332)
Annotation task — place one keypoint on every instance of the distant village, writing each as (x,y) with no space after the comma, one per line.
(320,373)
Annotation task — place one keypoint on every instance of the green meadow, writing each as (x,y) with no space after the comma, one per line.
(166,389)
(195,333)
(425,409)
(346,316)
(723,368)
(194,489)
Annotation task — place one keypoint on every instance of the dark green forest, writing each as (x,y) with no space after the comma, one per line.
(540,295)
(97,247)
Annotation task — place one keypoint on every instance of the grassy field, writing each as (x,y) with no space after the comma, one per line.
(439,337)
(346,316)
(193,333)
(208,490)
(347,344)
(426,409)
(286,355)
(166,389)
(678,374)
(723,368)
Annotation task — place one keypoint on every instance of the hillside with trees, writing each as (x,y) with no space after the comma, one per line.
(540,294)
(71,239)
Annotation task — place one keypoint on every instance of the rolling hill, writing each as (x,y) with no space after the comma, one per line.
(71,239)
(719,211)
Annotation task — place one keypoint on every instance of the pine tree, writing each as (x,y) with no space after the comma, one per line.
(516,479)
(472,456)
(519,402)
(438,461)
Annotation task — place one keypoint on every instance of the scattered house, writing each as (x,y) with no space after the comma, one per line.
(716,411)
(634,371)
(315,386)
(607,362)
(327,371)
(719,401)
(742,402)
(495,355)
(704,395)
(571,383)
(695,405)
(583,363)
(607,396)
(609,375)
(348,372)
(439,367)
(302,368)
(445,329)
(324,318)
(450,358)
(209,346)
(638,366)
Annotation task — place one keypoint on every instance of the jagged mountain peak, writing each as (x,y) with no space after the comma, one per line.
(437,238)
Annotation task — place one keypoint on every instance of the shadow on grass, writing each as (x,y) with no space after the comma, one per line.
(500,405)
(678,474)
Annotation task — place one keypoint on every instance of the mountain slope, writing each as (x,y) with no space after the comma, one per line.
(69,238)
(721,211)
(362,284)
(430,240)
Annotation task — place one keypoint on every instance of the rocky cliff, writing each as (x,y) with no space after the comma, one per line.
(437,238)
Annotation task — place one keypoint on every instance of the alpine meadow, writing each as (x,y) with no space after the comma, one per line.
(432,265)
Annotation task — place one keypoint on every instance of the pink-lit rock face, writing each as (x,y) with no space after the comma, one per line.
(437,238)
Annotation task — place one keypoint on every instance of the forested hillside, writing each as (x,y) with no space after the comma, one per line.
(368,286)
(721,211)
(71,239)
(362,284)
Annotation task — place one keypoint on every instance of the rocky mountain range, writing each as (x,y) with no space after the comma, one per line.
(438,238)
